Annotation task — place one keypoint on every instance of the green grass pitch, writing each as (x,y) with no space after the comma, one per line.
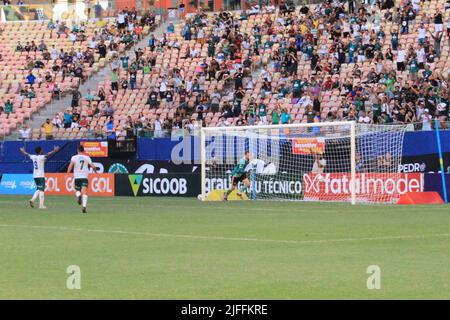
(173,248)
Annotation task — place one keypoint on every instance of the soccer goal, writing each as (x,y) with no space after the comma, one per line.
(329,161)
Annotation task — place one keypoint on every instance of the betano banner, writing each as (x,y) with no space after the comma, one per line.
(95,148)
(101,184)
(308,145)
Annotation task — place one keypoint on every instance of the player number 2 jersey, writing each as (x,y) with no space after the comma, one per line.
(81,166)
(38,165)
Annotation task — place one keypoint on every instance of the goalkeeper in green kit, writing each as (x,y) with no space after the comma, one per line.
(239,175)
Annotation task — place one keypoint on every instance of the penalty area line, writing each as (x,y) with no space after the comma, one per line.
(221,238)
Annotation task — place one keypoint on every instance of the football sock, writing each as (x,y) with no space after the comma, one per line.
(41,198)
(35,195)
(84,200)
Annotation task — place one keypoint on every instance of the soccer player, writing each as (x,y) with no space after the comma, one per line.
(319,166)
(80,163)
(239,175)
(38,160)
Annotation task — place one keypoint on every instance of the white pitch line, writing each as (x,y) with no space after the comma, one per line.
(188,236)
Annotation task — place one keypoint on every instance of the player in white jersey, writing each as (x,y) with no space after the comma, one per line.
(319,166)
(38,160)
(80,163)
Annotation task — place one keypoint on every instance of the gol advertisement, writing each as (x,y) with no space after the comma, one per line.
(97,149)
(101,184)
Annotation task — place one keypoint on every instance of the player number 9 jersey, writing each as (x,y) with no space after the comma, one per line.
(38,165)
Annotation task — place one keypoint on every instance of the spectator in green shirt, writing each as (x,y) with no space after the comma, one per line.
(8,107)
(251,108)
(211,48)
(147,68)
(297,88)
(276,115)
(262,111)
(115,80)
(124,60)
(282,91)
(413,68)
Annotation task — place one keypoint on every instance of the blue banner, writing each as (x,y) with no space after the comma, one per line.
(433,182)
(415,144)
(17,184)
(424,142)
(13,161)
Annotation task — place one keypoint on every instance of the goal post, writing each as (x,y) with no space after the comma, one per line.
(327,161)
(353,160)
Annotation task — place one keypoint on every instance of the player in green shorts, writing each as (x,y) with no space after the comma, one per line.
(81,163)
(81,183)
(38,161)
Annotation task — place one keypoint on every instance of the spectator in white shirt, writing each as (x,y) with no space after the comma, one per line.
(422,32)
(157,127)
(305,100)
(162,89)
(364,118)
(57,122)
(193,52)
(401,57)
(426,120)
(93,44)
(24,132)
(72,37)
(121,20)
(420,54)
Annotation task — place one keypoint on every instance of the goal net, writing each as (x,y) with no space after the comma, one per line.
(330,161)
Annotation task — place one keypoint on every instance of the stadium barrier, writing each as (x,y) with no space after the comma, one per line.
(331,187)
(100,185)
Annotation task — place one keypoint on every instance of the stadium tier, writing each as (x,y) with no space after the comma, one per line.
(44,60)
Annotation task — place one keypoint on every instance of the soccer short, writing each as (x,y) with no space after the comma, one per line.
(235,180)
(40,183)
(81,183)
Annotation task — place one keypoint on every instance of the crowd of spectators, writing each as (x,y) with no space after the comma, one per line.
(390,81)
(126,32)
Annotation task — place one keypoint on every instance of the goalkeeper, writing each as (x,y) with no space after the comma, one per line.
(239,175)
